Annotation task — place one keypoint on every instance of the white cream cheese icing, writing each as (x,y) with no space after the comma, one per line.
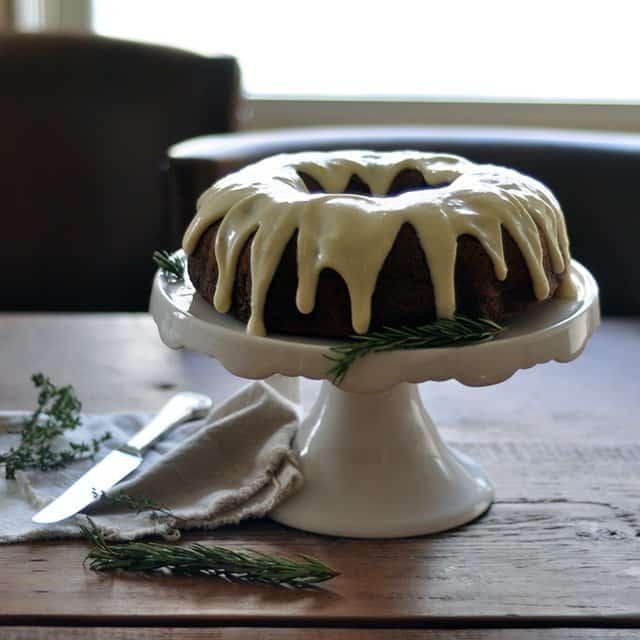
(352,234)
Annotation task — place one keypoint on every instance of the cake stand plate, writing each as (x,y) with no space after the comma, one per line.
(373,463)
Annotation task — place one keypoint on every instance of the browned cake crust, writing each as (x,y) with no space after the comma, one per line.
(403,295)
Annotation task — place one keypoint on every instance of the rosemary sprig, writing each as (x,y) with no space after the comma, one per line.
(441,333)
(58,410)
(202,560)
(171,266)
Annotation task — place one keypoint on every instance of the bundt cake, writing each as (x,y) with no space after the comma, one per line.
(337,243)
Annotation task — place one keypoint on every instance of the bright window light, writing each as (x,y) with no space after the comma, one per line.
(463,49)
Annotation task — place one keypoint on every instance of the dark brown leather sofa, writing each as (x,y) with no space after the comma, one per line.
(596,177)
(85,123)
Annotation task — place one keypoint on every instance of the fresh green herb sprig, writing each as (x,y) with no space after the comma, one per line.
(171,266)
(202,560)
(440,333)
(137,504)
(58,410)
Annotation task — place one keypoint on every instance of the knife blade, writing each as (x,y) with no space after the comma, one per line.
(120,463)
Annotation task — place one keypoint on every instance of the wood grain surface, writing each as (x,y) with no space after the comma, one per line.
(561,546)
(264,633)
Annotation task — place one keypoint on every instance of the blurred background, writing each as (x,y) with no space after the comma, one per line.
(496,62)
(116,115)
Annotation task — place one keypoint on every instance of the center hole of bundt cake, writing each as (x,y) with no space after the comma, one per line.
(405,180)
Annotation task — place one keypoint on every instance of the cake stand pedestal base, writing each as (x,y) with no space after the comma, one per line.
(375,467)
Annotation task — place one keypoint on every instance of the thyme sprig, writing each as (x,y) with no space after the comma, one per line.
(137,504)
(171,266)
(157,511)
(57,411)
(202,560)
(443,332)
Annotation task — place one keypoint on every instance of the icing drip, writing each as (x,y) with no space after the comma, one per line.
(352,234)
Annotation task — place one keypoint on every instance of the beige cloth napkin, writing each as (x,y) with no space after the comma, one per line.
(237,463)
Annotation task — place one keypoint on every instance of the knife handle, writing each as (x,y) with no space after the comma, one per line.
(182,407)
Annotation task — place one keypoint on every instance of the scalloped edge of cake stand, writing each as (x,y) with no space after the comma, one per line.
(556,330)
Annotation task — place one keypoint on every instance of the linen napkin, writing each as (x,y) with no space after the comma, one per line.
(236,463)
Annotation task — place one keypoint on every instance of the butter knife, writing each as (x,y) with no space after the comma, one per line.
(121,462)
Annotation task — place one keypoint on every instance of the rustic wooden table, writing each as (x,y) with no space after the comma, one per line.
(557,556)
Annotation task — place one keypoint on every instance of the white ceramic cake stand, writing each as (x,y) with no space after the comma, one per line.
(373,463)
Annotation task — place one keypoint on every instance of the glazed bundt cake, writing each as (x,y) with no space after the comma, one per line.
(337,243)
